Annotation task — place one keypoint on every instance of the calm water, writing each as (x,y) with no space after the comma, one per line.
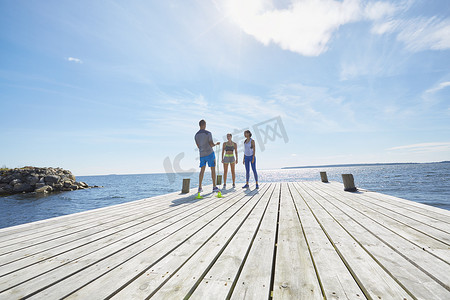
(425,183)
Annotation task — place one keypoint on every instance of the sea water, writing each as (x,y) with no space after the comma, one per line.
(424,183)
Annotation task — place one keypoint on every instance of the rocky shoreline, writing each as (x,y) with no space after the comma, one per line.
(38,180)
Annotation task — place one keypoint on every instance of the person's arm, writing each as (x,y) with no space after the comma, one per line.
(243,156)
(235,151)
(254,151)
(211,143)
(195,139)
(223,150)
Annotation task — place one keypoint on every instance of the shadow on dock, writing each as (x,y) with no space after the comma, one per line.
(190,199)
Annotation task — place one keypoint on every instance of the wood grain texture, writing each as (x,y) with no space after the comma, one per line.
(297,240)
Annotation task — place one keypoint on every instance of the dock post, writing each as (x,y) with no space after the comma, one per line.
(323,176)
(349,183)
(186,184)
(219,180)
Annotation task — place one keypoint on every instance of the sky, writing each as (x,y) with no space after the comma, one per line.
(118,87)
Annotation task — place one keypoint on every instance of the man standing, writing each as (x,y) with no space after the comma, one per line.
(204,141)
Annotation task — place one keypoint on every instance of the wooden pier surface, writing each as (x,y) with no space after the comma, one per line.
(301,240)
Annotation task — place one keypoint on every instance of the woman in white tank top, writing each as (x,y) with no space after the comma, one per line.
(249,158)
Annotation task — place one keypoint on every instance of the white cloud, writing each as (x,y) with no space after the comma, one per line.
(316,109)
(253,108)
(378,10)
(364,65)
(424,147)
(305,108)
(74,59)
(438,87)
(385,27)
(306,26)
(422,34)
(418,34)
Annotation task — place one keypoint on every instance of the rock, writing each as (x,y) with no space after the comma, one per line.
(15,181)
(5,189)
(32,180)
(7,178)
(51,178)
(28,188)
(67,183)
(41,180)
(41,190)
(39,185)
(83,185)
(22,187)
(58,186)
(8,188)
(44,189)
(17,175)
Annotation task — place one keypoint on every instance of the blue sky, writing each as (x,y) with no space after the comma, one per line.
(102,87)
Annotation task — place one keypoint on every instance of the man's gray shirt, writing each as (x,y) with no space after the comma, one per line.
(202,138)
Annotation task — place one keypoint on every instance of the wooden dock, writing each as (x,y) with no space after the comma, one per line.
(301,240)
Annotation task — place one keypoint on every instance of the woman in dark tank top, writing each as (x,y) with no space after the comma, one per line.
(228,159)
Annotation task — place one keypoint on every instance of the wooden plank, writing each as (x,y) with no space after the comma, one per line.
(37,231)
(97,228)
(254,278)
(159,273)
(340,245)
(388,220)
(99,254)
(433,225)
(65,227)
(398,259)
(184,281)
(49,248)
(144,273)
(426,209)
(336,280)
(69,279)
(371,277)
(26,268)
(439,214)
(41,225)
(412,253)
(219,278)
(140,208)
(295,274)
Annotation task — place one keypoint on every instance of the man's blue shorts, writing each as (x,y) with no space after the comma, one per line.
(210,159)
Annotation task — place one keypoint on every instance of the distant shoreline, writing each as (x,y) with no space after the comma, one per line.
(364,165)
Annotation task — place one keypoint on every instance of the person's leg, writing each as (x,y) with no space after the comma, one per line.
(200,176)
(254,171)
(212,164)
(225,171)
(233,174)
(247,167)
(213,175)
